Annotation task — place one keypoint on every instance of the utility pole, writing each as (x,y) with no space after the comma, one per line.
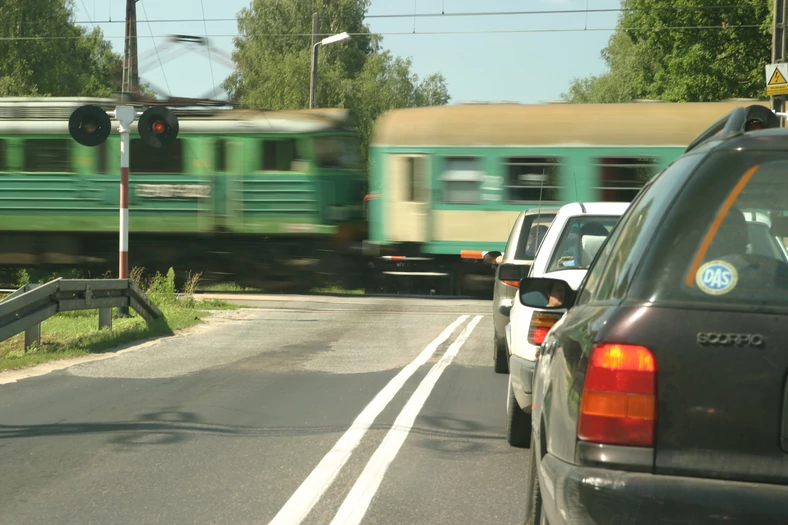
(130,63)
(125,115)
(313,77)
(778,47)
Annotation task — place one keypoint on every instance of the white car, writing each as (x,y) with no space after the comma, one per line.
(566,252)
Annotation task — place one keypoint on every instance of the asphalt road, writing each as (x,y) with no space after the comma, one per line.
(301,410)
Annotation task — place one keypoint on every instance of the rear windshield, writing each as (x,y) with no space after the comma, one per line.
(723,241)
(531,234)
(581,239)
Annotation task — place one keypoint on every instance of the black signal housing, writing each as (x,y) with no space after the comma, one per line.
(158,127)
(89,125)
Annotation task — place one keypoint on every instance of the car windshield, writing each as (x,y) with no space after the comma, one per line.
(579,241)
(724,240)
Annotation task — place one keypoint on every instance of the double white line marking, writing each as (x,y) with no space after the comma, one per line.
(355,505)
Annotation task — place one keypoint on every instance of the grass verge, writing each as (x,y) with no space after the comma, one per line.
(73,334)
(338,290)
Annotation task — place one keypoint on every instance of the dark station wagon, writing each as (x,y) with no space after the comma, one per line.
(661,395)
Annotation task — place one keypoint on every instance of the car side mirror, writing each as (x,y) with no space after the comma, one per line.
(491,257)
(543,293)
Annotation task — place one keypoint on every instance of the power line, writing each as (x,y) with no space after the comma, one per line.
(462,14)
(426,33)
(88,13)
(210,60)
(156,48)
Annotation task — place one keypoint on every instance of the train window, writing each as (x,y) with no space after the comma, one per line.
(461,180)
(219,155)
(48,155)
(621,178)
(338,152)
(279,154)
(146,159)
(3,160)
(415,182)
(532,179)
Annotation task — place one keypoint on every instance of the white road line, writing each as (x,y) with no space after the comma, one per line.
(357,501)
(312,489)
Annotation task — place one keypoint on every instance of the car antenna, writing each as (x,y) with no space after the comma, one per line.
(537,240)
(577,195)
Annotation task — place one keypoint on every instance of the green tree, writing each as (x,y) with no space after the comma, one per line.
(273,61)
(52,56)
(708,59)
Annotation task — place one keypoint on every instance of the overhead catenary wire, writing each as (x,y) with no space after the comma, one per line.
(428,33)
(462,14)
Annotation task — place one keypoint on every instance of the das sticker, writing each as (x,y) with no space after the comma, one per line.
(716,277)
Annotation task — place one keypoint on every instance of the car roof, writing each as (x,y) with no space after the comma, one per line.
(541,209)
(593,208)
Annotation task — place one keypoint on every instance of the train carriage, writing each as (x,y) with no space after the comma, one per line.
(260,197)
(451,178)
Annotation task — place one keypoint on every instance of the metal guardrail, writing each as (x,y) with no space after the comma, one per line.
(26,308)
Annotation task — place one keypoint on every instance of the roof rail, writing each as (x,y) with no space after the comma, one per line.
(737,122)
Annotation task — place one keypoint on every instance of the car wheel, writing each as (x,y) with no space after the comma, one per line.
(533,509)
(518,423)
(500,356)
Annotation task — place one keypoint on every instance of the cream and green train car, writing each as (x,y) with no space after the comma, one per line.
(451,178)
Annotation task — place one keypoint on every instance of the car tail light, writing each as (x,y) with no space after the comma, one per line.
(619,402)
(541,323)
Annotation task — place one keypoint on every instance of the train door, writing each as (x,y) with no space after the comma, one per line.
(407,198)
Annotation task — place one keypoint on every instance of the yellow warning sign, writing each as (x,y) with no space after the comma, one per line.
(777,78)
(776,83)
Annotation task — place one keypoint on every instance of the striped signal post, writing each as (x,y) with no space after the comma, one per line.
(125,116)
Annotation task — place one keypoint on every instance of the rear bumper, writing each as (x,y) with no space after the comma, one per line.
(522,372)
(587,495)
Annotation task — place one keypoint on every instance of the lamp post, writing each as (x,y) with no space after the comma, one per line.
(313,80)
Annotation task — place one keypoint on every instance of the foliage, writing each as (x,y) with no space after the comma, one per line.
(710,59)
(52,56)
(273,58)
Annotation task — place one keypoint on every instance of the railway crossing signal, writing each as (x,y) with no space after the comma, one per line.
(158,127)
(90,126)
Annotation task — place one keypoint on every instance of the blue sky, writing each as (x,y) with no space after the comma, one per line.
(525,67)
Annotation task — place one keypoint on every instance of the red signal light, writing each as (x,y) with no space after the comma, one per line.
(159,126)
(90,126)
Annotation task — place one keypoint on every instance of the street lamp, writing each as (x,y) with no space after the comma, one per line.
(313,81)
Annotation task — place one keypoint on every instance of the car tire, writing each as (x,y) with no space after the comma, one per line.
(533,510)
(500,356)
(518,422)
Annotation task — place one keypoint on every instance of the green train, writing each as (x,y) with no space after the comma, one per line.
(263,198)
(450,180)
